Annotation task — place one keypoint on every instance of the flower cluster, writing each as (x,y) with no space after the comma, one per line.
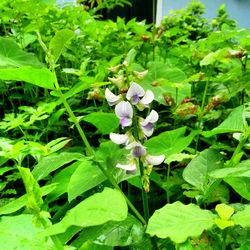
(125,111)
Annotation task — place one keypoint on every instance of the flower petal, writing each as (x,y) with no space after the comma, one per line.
(154,159)
(127,167)
(148,129)
(151,118)
(124,110)
(137,149)
(147,98)
(134,92)
(125,122)
(119,139)
(111,98)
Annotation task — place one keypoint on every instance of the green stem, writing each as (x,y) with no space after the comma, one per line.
(239,147)
(201,114)
(91,151)
(204,98)
(141,167)
(144,193)
(153,14)
(168,174)
(54,238)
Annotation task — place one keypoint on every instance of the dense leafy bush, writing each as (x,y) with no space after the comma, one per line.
(72,177)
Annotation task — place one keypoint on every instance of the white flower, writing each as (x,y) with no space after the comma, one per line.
(147,98)
(147,125)
(154,160)
(128,167)
(137,149)
(111,98)
(134,93)
(124,112)
(119,139)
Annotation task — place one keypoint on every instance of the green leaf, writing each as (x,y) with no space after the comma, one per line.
(178,222)
(18,232)
(222,223)
(224,211)
(241,170)
(40,77)
(20,202)
(235,122)
(122,233)
(241,185)
(85,177)
(62,179)
(167,81)
(33,190)
(242,218)
(197,171)
(95,210)
(169,142)
(52,162)
(11,55)
(59,41)
(104,122)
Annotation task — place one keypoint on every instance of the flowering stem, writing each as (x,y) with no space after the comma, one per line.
(91,151)
(144,194)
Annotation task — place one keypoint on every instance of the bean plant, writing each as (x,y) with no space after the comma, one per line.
(122,135)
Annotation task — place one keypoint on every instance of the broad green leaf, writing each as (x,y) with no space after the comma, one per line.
(40,77)
(18,232)
(33,190)
(242,218)
(20,202)
(90,245)
(245,246)
(169,142)
(52,162)
(222,223)
(95,210)
(241,185)
(166,81)
(235,122)
(4,170)
(85,177)
(212,57)
(11,55)
(104,122)
(122,233)
(197,171)
(59,41)
(62,179)
(224,211)
(241,170)
(178,222)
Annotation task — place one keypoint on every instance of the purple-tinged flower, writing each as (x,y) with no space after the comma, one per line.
(134,93)
(119,139)
(147,125)
(154,159)
(124,112)
(137,149)
(111,98)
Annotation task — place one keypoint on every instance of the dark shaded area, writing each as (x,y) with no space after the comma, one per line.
(141,9)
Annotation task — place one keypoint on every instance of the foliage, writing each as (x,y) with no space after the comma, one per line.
(60,187)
